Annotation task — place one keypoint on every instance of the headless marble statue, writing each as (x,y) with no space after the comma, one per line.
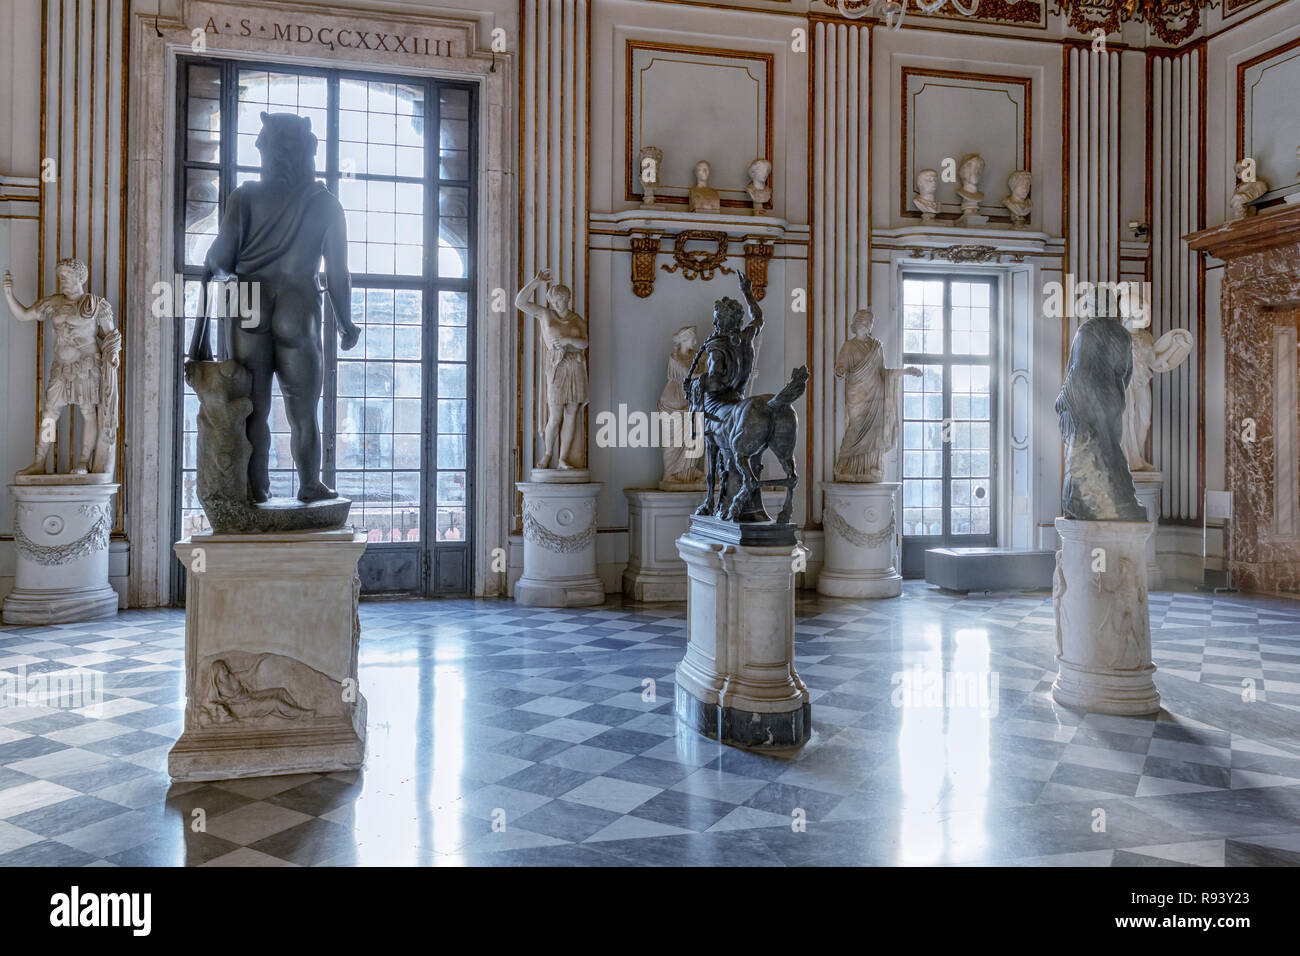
(1098,485)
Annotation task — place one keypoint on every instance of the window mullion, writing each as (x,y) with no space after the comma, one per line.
(947,407)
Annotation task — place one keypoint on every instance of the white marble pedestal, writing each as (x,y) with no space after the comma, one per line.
(737,682)
(1103,625)
(861,534)
(62,524)
(1148,484)
(271,638)
(655,520)
(559,545)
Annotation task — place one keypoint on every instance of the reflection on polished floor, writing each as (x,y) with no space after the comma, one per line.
(506,735)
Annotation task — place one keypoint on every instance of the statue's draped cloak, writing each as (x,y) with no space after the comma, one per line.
(1098,485)
(263,239)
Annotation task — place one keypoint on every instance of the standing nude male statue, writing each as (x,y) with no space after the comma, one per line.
(274,234)
(564,335)
(87,350)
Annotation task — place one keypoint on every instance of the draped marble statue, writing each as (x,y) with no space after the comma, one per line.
(681,472)
(83,373)
(563,334)
(871,396)
(1150,356)
(1098,485)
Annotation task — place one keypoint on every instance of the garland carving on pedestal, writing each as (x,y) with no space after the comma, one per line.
(836,522)
(544,537)
(94,540)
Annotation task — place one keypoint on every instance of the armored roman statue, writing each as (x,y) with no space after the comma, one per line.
(274,234)
(83,373)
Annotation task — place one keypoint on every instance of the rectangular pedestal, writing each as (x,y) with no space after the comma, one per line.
(272,633)
(655,520)
(737,681)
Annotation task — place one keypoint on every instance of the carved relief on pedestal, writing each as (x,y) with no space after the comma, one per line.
(93,540)
(243,690)
(559,542)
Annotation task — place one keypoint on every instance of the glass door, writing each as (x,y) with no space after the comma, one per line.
(399,153)
(949,420)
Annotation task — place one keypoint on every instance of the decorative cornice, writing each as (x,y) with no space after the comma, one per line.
(1242,237)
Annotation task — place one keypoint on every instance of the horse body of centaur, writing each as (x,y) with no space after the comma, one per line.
(736,433)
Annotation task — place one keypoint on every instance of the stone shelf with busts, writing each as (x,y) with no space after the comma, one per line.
(933,241)
(691,235)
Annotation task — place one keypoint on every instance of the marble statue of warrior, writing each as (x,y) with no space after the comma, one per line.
(564,336)
(679,469)
(1098,485)
(871,395)
(273,236)
(1150,356)
(87,351)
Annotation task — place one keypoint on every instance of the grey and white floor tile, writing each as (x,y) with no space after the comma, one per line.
(506,735)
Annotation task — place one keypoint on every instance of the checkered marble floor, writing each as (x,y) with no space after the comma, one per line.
(506,735)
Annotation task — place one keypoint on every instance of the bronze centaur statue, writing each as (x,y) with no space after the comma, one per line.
(738,429)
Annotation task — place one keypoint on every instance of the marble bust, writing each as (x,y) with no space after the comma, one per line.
(681,472)
(927,183)
(760,193)
(871,397)
(1247,191)
(83,371)
(652,158)
(969,172)
(704,198)
(562,333)
(1019,183)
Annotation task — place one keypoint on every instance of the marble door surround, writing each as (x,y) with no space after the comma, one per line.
(434,45)
(1261,319)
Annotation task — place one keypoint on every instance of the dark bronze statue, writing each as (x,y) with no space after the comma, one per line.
(737,429)
(1098,485)
(273,236)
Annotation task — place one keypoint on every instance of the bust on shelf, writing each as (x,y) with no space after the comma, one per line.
(969,172)
(760,193)
(1018,202)
(927,183)
(704,198)
(652,158)
(1249,188)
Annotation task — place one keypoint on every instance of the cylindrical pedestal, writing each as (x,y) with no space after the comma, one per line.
(1148,484)
(559,545)
(1103,627)
(737,682)
(860,533)
(62,525)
